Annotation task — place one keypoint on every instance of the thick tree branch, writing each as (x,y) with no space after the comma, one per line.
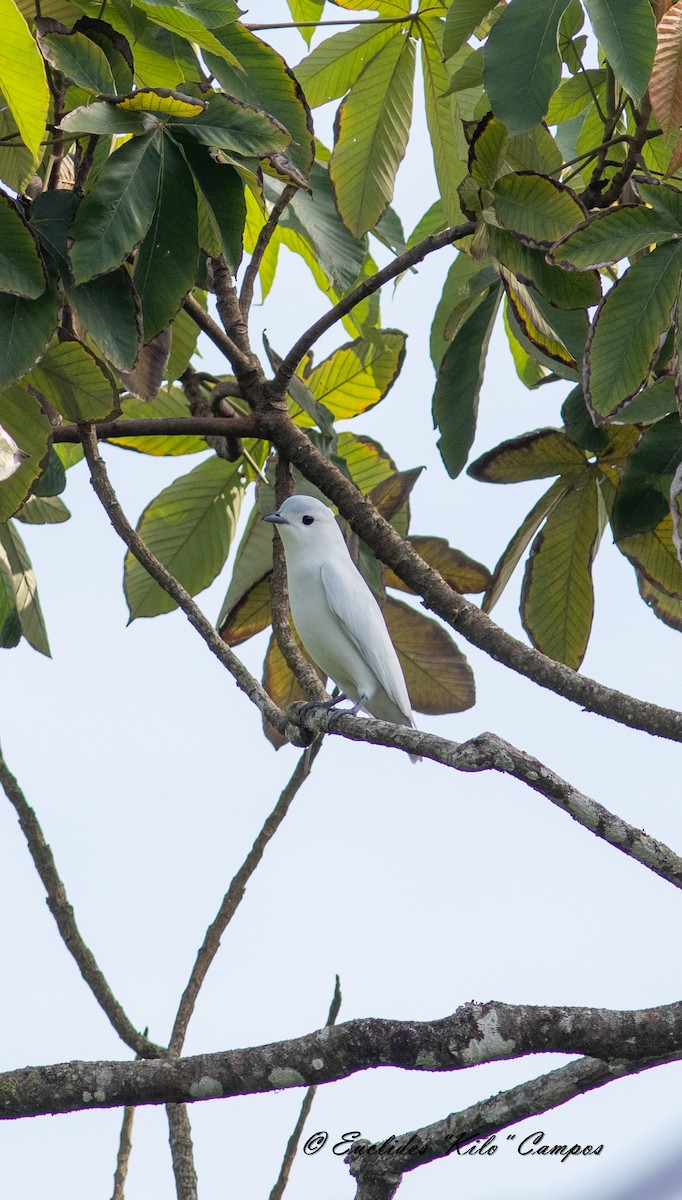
(292,1145)
(435,241)
(452,607)
(264,237)
(488,752)
(107,497)
(230,313)
(242,364)
(481,1121)
(235,894)
(59,906)
(474,1034)
(595,196)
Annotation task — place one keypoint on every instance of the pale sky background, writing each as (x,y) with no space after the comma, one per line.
(422,888)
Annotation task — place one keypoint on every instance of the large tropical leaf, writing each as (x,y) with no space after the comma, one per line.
(358,375)
(21,270)
(333,66)
(438,676)
(74,382)
(26,327)
(17,565)
(22,77)
(626,30)
(526,33)
(643,494)
(108,308)
(189,526)
(371,131)
(536,209)
(170,402)
(23,418)
(531,456)
(442,119)
(609,236)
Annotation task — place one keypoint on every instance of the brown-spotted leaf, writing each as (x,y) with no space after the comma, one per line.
(537,455)
(653,556)
(391,495)
(438,677)
(463,574)
(250,615)
(665,87)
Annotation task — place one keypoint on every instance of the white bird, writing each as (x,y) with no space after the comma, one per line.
(335,614)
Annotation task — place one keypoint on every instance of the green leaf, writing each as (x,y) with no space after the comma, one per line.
(531,456)
(334,66)
(23,418)
(608,236)
(187,25)
(21,270)
(579,289)
(169,402)
(358,375)
(511,556)
(665,198)
(653,554)
(466,285)
(643,494)
(557,599)
(667,608)
(488,151)
(229,124)
(10,625)
(167,259)
(469,75)
(53,479)
(103,117)
(108,309)
(535,150)
(116,213)
(461,21)
(531,373)
(650,404)
(462,573)
(367,462)
(455,400)
(574,95)
(222,191)
(80,60)
(50,216)
(252,563)
(391,498)
(626,30)
(17,564)
(555,358)
(539,321)
(306,12)
(441,116)
(526,33)
(75,382)
(624,339)
(43,510)
(438,676)
(22,77)
(281,684)
(578,423)
(26,327)
(371,131)
(339,253)
(266,82)
(185,334)
(536,209)
(189,526)
(17,163)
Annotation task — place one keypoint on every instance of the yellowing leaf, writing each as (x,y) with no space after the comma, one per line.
(665,87)
(281,684)
(22,76)
(162,100)
(250,615)
(463,574)
(438,676)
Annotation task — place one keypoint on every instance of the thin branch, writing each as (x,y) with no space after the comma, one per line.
(305,674)
(242,364)
(451,606)
(474,1034)
(208,426)
(107,497)
(235,894)
(246,294)
(488,752)
(200,405)
(326,24)
(125,1145)
(435,241)
(62,911)
(592,197)
(292,1145)
(230,312)
(182,1152)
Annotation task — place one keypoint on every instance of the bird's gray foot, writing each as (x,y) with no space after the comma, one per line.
(310,705)
(352,712)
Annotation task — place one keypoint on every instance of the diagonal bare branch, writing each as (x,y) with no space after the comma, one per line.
(125,1146)
(59,906)
(264,238)
(235,894)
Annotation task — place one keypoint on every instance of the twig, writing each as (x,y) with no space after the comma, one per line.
(123,1158)
(251,272)
(182,1151)
(62,911)
(292,1145)
(235,894)
(450,605)
(306,675)
(592,197)
(474,1034)
(242,365)
(208,426)
(435,241)
(107,497)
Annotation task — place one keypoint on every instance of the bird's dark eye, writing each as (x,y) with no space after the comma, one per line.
(307,520)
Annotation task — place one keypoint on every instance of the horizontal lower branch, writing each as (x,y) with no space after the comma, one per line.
(475,1033)
(163,427)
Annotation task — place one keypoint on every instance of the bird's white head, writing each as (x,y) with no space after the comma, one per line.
(306,526)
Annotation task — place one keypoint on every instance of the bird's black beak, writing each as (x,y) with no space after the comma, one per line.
(276,519)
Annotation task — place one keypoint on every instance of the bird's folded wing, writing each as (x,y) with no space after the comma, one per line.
(359,615)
